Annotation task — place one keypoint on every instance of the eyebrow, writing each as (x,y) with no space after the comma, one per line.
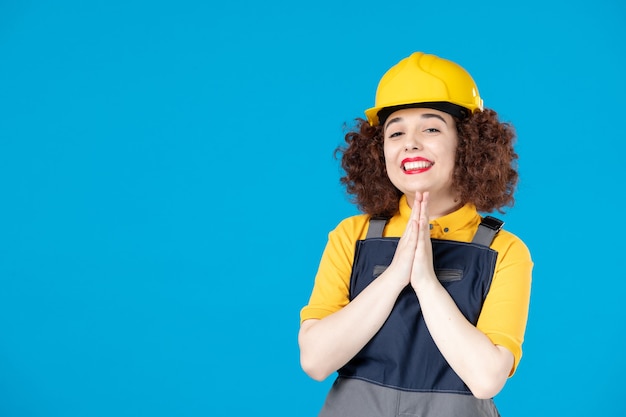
(423,116)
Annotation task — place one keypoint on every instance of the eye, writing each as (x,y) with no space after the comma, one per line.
(394,135)
(432,130)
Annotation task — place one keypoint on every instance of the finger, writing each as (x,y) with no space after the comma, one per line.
(410,236)
(407,230)
(424,210)
(424,227)
(417,206)
(411,227)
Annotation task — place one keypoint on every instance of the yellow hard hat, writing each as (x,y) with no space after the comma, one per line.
(423,80)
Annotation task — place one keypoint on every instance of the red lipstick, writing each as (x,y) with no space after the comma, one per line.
(416,165)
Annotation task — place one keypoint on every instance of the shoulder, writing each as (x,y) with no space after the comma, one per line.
(352,228)
(509,245)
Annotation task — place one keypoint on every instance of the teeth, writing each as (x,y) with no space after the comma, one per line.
(410,166)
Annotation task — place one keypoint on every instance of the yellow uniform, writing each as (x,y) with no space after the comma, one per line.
(505,310)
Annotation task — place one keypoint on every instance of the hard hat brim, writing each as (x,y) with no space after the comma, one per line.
(376,115)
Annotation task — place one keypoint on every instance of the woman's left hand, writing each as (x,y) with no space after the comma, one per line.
(483,366)
(423,270)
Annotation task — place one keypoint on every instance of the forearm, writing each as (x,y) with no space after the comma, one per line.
(328,344)
(483,366)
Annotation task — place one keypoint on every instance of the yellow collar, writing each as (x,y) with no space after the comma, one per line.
(464,218)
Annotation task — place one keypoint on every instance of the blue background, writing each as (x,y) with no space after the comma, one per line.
(168,182)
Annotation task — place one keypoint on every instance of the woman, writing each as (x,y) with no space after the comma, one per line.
(420,304)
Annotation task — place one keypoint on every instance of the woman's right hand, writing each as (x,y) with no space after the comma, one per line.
(329,343)
(401,265)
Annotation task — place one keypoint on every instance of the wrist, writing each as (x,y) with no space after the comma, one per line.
(394,279)
(426,284)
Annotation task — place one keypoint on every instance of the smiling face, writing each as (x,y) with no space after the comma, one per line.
(420,147)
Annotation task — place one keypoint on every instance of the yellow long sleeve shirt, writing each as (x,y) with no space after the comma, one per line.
(505,311)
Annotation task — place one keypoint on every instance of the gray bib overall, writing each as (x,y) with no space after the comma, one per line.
(401,372)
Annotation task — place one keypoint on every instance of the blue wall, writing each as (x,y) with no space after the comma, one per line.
(167,185)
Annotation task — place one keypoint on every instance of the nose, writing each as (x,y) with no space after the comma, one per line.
(412,143)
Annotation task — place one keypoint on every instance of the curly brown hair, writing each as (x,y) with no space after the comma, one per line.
(485,172)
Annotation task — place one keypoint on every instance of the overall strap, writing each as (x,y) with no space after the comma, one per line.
(376,227)
(487,230)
